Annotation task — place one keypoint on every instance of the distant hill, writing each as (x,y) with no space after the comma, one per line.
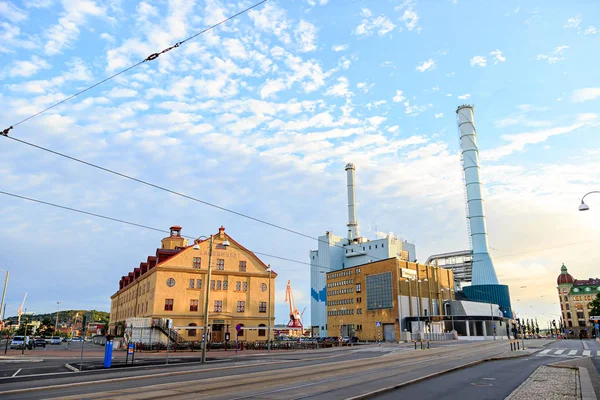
(66,316)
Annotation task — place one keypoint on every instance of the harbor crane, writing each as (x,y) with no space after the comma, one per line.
(20,311)
(295,316)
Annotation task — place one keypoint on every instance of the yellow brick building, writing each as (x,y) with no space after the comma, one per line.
(171,286)
(360,297)
(576,296)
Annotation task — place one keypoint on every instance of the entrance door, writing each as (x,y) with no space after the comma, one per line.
(217,333)
(389,332)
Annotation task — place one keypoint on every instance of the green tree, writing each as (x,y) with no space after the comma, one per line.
(595,304)
(46,328)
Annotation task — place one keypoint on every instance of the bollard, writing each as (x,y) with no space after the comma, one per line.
(415,344)
(511,346)
(518,346)
(428,344)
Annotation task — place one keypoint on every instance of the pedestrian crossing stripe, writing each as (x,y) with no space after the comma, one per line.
(586,353)
(568,353)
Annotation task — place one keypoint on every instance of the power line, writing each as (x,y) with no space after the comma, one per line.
(156,186)
(122,221)
(151,57)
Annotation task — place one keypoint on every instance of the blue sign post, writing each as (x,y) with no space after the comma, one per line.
(378,325)
(108,349)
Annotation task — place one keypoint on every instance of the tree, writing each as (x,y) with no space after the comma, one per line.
(46,328)
(595,306)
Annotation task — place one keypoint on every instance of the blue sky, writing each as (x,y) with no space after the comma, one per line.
(260,115)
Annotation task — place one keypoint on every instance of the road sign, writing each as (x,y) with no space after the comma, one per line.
(493,326)
(238,327)
(378,324)
(130,348)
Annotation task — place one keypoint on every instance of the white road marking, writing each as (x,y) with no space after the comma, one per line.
(572,352)
(15,374)
(545,351)
(559,351)
(586,353)
(598,353)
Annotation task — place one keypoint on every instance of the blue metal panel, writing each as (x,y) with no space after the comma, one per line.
(495,294)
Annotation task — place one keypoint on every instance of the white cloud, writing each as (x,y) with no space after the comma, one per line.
(364,86)
(590,30)
(376,121)
(387,64)
(340,47)
(315,2)
(120,93)
(399,97)
(306,36)
(75,13)
(344,63)
(585,94)
(271,18)
(464,96)
(12,13)
(498,57)
(28,68)
(573,22)
(439,115)
(340,89)
(411,19)
(235,48)
(369,25)
(426,66)
(38,3)
(479,61)
(394,129)
(554,57)
(415,109)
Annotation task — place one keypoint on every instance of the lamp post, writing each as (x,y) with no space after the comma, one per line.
(3,295)
(450,305)
(583,206)
(206,297)
(269,322)
(57,309)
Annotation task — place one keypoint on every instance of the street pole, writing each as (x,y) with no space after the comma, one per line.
(206,298)
(269,323)
(56,325)
(2,305)
(419,306)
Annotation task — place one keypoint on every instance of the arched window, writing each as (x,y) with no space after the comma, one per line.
(192,332)
(262,332)
(241,331)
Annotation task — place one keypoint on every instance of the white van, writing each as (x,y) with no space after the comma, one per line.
(18,342)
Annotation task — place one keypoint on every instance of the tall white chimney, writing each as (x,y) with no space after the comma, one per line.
(483,267)
(352,221)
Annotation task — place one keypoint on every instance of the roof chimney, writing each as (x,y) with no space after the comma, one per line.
(352,221)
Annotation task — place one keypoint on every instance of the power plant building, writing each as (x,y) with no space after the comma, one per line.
(338,253)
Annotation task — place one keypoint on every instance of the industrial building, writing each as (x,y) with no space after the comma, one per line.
(337,252)
(165,296)
(576,296)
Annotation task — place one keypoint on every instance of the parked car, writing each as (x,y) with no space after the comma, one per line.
(18,342)
(40,342)
(55,340)
(77,339)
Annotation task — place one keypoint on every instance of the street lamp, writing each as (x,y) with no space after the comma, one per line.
(3,295)
(583,206)
(57,309)
(269,269)
(207,284)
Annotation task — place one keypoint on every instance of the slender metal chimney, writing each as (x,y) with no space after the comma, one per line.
(483,267)
(352,221)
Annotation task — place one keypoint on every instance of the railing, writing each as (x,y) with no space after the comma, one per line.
(172,334)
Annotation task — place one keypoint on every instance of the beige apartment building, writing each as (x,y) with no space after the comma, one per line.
(171,286)
(575,296)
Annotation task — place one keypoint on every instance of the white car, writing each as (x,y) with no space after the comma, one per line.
(18,342)
(55,340)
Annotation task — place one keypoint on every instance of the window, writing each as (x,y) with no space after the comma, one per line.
(170,282)
(198,283)
(241,331)
(566,298)
(382,245)
(191,332)
(196,262)
(191,283)
(262,332)
(244,286)
(193,305)
(225,285)
(148,289)
(567,307)
(212,285)
(242,266)
(358,288)
(262,307)
(357,271)
(241,306)
(570,324)
(168,304)
(219,285)
(568,315)
(218,306)
(238,286)
(146,306)
(379,291)
(220,264)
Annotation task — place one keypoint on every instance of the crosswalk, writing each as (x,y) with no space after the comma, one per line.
(568,353)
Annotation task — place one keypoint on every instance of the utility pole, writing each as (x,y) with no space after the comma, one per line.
(269,323)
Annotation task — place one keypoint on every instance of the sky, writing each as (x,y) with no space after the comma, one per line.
(261,114)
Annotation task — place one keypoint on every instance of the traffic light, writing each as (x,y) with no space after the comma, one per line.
(84,323)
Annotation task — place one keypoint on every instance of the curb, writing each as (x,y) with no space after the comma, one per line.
(22,360)
(433,375)
(585,383)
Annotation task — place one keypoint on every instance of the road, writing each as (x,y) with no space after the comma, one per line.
(311,375)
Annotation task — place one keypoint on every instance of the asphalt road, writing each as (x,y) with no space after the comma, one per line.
(312,376)
(491,380)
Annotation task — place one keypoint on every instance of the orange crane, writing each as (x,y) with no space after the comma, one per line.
(295,316)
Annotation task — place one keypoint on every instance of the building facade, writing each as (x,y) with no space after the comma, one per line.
(382,299)
(575,296)
(171,286)
(337,252)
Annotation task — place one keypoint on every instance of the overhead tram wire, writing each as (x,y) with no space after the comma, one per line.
(122,221)
(255,252)
(151,57)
